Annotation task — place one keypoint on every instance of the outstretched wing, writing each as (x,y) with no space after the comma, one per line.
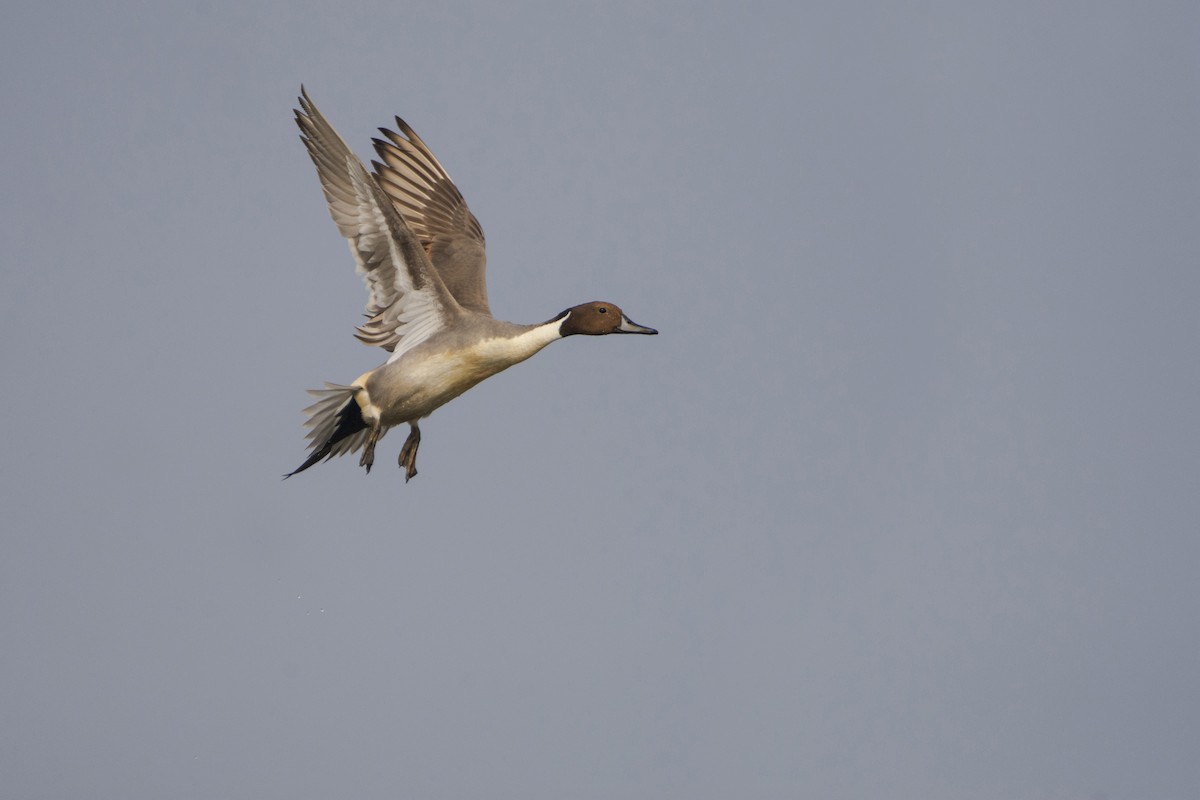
(436,212)
(407,299)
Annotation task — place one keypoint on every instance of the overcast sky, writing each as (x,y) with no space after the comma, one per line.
(902,502)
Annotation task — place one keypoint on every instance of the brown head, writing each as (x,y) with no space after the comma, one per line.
(597,319)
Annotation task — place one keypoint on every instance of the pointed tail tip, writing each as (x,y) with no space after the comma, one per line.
(314,458)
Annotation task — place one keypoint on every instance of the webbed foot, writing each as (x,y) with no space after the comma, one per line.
(408,453)
(368,456)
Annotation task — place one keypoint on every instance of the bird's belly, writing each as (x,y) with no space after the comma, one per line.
(407,390)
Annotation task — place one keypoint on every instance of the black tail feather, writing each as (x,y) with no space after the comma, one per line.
(350,422)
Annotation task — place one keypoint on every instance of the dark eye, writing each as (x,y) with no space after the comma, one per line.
(602,310)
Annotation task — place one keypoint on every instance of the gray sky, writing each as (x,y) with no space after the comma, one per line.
(902,503)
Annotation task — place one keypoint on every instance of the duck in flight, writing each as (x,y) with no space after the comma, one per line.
(420,252)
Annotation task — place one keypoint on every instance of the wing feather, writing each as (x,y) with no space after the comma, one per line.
(407,299)
(425,196)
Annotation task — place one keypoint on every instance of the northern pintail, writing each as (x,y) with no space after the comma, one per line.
(420,251)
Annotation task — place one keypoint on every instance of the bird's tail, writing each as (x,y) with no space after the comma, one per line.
(335,424)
